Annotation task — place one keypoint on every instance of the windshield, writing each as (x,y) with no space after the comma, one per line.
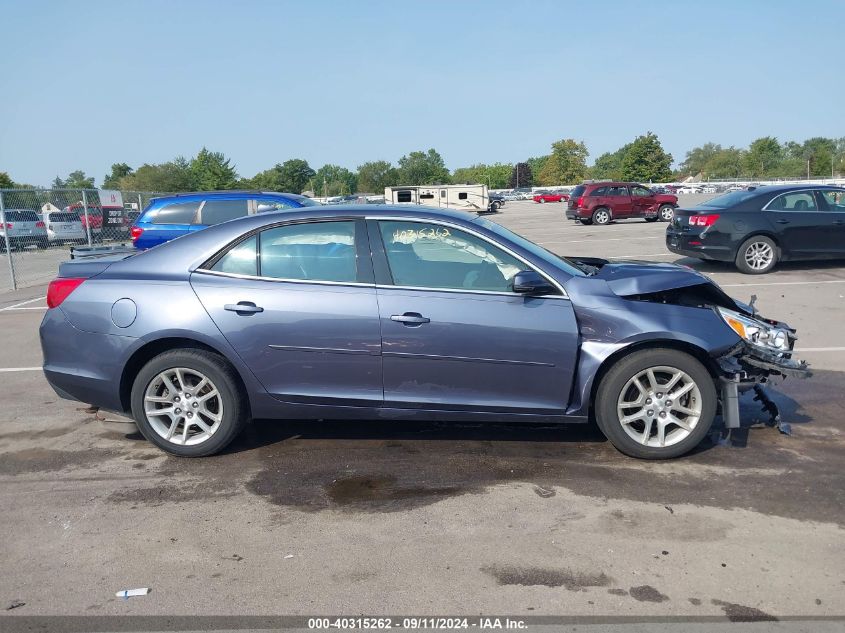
(567,265)
(64,217)
(14,215)
(729,199)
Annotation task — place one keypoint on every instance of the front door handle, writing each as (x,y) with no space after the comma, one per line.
(243,308)
(782,221)
(410,318)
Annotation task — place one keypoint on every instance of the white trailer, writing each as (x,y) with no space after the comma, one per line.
(474,198)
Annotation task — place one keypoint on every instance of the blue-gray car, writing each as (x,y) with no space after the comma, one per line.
(401,313)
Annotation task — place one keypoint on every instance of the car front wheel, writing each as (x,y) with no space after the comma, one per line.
(757,255)
(656,403)
(187,402)
(666,212)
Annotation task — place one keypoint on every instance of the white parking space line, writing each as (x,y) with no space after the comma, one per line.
(819,349)
(19,309)
(786,283)
(7,370)
(22,303)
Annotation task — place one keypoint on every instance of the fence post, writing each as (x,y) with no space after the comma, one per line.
(87,217)
(140,205)
(6,243)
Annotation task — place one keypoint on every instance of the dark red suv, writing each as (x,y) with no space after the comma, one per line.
(603,202)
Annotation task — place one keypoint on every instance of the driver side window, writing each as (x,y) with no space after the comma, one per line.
(427,255)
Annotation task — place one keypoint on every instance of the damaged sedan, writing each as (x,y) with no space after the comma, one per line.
(401,313)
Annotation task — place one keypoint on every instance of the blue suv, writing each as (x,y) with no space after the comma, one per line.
(169,217)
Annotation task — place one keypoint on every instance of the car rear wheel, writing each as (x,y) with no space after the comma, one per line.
(542,201)
(601,216)
(757,255)
(656,403)
(585,221)
(651,219)
(666,212)
(187,402)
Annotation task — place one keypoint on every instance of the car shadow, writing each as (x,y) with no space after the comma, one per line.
(708,266)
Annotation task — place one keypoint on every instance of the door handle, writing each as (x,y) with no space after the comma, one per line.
(782,221)
(243,308)
(410,318)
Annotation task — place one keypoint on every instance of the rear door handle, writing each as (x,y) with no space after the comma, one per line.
(782,221)
(243,308)
(410,318)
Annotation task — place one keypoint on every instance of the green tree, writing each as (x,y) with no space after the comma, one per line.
(211,171)
(118,171)
(423,168)
(75,180)
(6,181)
(521,176)
(375,175)
(495,176)
(646,161)
(170,177)
(764,157)
(697,158)
(334,180)
(567,163)
(608,166)
(537,163)
(292,176)
(725,163)
(819,151)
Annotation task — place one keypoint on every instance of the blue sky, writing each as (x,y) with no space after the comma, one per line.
(90,83)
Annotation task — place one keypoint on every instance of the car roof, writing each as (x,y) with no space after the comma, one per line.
(225,193)
(778,188)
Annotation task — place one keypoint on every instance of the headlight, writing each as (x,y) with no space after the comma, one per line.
(754,331)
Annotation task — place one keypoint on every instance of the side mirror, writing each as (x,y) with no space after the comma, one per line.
(529,282)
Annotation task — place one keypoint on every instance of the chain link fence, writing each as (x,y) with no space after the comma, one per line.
(38,227)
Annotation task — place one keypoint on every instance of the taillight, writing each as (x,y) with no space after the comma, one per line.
(59,289)
(8,225)
(703,220)
(39,225)
(135,232)
(579,201)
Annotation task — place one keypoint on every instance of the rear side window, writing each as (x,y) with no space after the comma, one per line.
(176,213)
(315,251)
(217,211)
(601,191)
(403,196)
(578,191)
(795,201)
(617,191)
(264,206)
(240,260)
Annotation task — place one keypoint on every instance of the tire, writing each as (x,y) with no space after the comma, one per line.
(191,365)
(585,221)
(651,219)
(666,212)
(601,216)
(617,387)
(542,201)
(42,244)
(757,255)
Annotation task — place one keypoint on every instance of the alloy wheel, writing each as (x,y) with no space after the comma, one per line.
(659,406)
(183,406)
(602,217)
(667,213)
(759,255)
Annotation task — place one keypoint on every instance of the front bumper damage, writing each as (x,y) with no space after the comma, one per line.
(747,366)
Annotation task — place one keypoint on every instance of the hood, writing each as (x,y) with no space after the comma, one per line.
(666,197)
(627,278)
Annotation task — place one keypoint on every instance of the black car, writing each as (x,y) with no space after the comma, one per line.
(757,228)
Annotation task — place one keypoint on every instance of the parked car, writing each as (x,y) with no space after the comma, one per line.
(168,217)
(603,202)
(397,312)
(64,226)
(756,229)
(94,218)
(524,193)
(551,196)
(23,228)
(497,201)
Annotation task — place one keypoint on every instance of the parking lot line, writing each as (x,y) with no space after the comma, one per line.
(783,283)
(27,308)
(22,303)
(819,349)
(7,370)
